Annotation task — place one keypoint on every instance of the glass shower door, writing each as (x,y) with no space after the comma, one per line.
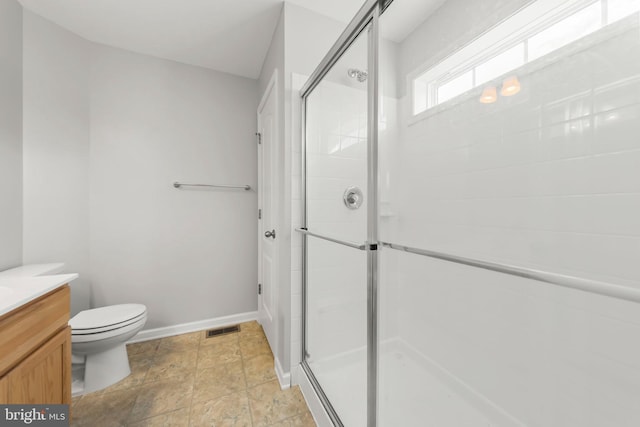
(509,214)
(335,336)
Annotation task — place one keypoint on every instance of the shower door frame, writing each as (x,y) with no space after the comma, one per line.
(369,15)
(366,18)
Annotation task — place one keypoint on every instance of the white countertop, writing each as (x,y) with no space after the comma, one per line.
(31,270)
(17,290)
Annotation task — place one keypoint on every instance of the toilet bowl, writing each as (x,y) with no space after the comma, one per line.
(99,337)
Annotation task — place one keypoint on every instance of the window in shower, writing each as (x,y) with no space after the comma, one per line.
(536,31)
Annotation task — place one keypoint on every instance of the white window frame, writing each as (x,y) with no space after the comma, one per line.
(518,28)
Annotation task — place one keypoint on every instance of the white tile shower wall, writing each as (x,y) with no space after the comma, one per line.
(336,300)
(335,160)
(544,355)
(548,179)
(331,188)
(301,55)
(540,179)
(388,285)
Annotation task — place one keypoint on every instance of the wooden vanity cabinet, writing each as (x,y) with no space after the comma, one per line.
(35,351)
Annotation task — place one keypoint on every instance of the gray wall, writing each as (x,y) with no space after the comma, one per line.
(274,60)
(107,132)
(10,134)
(188,255)
(56,151)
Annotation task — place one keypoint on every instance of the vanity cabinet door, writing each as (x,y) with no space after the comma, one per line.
(44,376)
(4,390)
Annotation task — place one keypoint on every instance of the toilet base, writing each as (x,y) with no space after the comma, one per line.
(106,368)
(77,379)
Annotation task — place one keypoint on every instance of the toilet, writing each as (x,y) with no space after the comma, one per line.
(98,339)
(98,336)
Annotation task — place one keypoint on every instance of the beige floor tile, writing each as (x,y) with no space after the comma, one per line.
(182,378)
(222,352)
(179,418)
(104,409)
(251,329)
(270,405)
(161,397)
(172,364)
(305,420)
(184,342)
(259,370)
(95,394)
(228,411)
(212,383)
(254,346)
(143,347)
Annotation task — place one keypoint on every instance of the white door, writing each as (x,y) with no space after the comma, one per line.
(267,203)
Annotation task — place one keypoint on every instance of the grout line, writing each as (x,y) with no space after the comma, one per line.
(195,374)
(135,401)
(246,385)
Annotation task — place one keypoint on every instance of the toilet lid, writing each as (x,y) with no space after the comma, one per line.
(106,316)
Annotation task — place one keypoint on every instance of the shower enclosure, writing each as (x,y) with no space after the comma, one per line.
(471,215)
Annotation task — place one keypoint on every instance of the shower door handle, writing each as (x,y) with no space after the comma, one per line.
(271,233)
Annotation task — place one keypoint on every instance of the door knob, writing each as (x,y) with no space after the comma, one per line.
(271,233)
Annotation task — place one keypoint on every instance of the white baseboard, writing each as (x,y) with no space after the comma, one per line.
(183,328)
(313,401)
(284,378)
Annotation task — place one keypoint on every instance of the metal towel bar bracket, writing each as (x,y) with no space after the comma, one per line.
(242,187)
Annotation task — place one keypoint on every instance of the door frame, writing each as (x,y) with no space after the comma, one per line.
(271,90)
(368,14)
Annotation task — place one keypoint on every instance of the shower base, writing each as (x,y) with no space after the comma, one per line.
(411,392)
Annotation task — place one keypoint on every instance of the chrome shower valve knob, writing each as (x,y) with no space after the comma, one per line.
(353,197)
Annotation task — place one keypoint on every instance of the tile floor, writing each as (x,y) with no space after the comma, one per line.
(190,380)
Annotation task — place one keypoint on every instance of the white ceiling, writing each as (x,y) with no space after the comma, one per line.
(225,35)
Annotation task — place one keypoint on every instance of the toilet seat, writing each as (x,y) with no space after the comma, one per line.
(105,322)
(113,334)
(89,331)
